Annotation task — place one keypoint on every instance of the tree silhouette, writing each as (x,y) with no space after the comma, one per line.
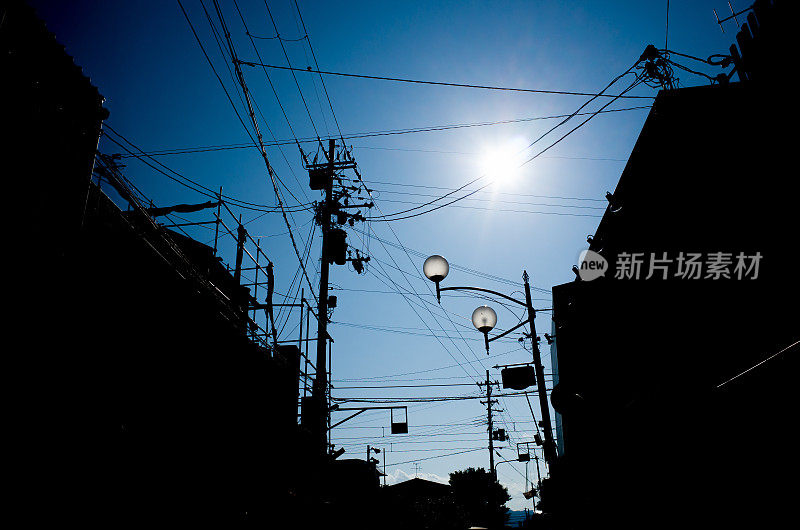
(480,496)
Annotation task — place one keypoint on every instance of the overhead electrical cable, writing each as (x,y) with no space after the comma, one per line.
(504,210)
(185,181)
(439,83)
(430,203)
(270,170)
(359,176)
(394,216)
(305,45)
(411,287)
(438,456)
(427,186)
(269,79)
(289,62)
(252,100)
(458,267)
(499,201)
(321,79)
(390,132)
(396,287)
(423,399)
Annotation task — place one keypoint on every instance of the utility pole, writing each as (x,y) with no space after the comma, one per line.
(322,177)
(549,445)
(491,430)
(324,220)
(489,401)
(493,472)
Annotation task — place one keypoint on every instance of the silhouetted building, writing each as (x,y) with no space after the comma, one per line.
(416,488)
(700,288)
(420,503)
(143,399)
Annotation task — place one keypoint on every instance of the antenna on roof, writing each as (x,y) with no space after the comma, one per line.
(733,16)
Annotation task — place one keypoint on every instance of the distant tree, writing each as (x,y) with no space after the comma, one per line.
(481,498)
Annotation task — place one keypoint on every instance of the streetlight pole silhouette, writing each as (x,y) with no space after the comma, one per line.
(484,319)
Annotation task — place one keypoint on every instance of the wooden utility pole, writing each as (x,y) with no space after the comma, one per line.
(549,444)
(489,401)
(324,220)
(491,429)
(322,177)
(492,471)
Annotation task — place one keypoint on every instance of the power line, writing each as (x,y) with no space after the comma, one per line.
(455,266)
(398,380)
(787,348)
(408,331)
(594,96)
(389,132)
(492,356)
(337,387)
(424,306)
(422,399)
(438,83)
(429,449)
(510,202)
(422,319)
(289,62)
(438,456)
(322,81)
(463,424)
(434,208)
(250,100)
(266,74)
(503,210)
(187,182)
(404,438)
(305,47)
(395,292)
(202,48)
(270,170)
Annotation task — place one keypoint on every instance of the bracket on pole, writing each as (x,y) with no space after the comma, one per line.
(360,410)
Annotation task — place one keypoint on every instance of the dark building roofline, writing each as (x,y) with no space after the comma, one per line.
(19,22)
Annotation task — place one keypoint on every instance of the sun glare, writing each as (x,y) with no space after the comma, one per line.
(501,162)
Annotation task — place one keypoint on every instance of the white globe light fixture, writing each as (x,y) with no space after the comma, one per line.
(436,269)
(484,319)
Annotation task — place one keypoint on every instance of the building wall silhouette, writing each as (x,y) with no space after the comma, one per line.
(650,438)
(140,398)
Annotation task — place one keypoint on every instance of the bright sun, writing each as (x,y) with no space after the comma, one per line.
(501,162)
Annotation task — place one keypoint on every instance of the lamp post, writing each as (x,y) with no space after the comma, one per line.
(436,269)
(497,464)
(484,319)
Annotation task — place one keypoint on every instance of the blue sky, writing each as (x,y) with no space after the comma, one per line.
(162,94)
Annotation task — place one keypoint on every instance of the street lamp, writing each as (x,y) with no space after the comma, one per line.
(484,319)
(436,269)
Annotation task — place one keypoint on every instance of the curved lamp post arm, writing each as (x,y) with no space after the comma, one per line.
(506,332)
(523,304)
(501,462)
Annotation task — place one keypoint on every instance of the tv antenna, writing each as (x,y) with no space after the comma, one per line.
(733,16)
